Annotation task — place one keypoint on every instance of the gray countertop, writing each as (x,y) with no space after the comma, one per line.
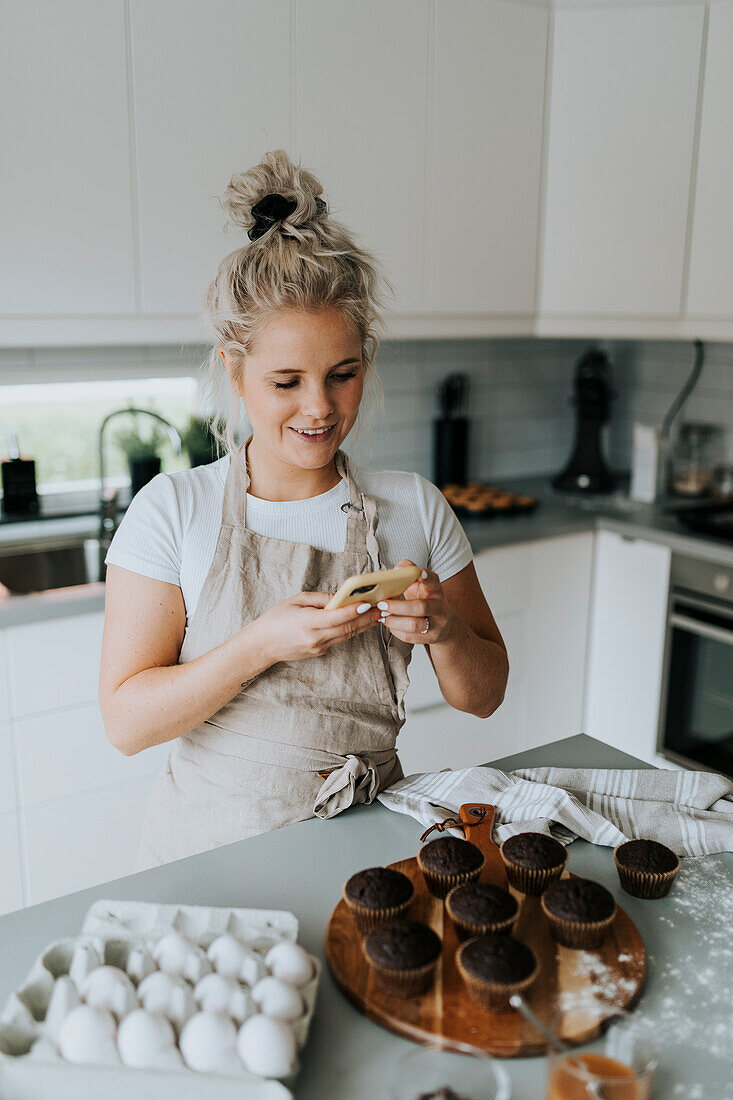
(557,515)
(303,867)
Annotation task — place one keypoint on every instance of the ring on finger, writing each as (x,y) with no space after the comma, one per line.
(427,625)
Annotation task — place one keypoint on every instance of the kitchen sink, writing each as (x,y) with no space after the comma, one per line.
(41,567)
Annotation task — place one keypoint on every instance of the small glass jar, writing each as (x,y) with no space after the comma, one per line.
(695,455)
(619,1065)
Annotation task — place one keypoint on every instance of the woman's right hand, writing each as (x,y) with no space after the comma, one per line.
(300,627)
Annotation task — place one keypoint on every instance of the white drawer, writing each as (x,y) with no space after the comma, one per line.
(67,753)
(11,880)
(7,771)
(4,679)
(54,663)
(504,576)
(84,841)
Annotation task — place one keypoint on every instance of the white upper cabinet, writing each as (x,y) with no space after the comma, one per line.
(66,222)
(621,139)
(362,86)
(711,260)
(488,100)
(212,93)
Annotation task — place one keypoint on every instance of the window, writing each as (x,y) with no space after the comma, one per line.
(57,424)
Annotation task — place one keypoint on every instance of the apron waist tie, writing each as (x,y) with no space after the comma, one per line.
(355,781)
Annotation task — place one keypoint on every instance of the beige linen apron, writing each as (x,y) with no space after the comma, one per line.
(257,763)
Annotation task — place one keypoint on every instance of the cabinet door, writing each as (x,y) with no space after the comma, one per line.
(361,94)
(711,259)
(4,679)
(11,882)
(55,663)
(212,94)
(487,134)
(83,841)
(623,108)
(67,753)
(66,218)
(629,607)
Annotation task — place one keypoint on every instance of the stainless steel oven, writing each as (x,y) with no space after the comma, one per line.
(696,712)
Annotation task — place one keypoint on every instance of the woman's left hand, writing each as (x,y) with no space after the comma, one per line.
(424,605)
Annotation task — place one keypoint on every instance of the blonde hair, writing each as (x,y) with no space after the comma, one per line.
(307,261)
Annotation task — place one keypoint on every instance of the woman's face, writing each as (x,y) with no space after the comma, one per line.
(305,373)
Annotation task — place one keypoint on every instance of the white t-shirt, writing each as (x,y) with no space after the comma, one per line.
(169,532)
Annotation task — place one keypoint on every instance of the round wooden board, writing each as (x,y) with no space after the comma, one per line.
(578,988)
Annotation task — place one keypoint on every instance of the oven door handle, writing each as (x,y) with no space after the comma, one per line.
(704,630)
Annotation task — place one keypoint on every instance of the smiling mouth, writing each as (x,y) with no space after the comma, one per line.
(316,434)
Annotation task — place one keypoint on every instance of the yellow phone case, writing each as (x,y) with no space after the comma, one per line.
(373,587)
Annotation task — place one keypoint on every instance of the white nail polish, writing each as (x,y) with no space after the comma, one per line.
(382,605)
(423,575)
(362,608)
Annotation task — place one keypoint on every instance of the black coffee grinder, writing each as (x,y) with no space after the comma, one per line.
(586,471)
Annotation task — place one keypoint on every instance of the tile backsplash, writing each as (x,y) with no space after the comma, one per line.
(522,422)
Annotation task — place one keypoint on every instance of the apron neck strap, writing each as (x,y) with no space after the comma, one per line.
(234,511)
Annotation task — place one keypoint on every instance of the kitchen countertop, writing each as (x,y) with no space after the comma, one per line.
(558,514)
(303,867)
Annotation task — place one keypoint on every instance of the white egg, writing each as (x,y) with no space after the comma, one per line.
(87,1037)
(278,999)
(109,987)
(140,963)
(208,1043)
(214,992)
(177,954)
(143,1037)
(227,953)
(64,999)
(289,962)
(169,995)
(253,968)
(266,1047)
(85,959)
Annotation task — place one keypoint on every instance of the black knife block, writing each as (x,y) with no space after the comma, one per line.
(19,487)
(450,451)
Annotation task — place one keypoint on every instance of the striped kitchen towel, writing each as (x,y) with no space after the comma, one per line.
(689,811)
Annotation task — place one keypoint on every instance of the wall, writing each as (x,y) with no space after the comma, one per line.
(521,419)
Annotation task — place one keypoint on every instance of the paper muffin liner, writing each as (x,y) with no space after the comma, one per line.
(441,885)
(645,884)
(493,996)
(365,919)
(467,931)
(531,880)
(578,933)
(404,983)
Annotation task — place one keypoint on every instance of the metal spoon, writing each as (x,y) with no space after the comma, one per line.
(592,1087)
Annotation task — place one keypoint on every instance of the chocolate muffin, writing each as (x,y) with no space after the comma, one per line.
(494,968)
(646,868)
(448,861)
(579,911)
(533,861)
(480,909)
(403,955)
(376,895)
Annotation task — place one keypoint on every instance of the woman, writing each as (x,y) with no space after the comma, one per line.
(216,635)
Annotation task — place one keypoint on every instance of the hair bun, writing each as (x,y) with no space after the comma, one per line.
(276,174)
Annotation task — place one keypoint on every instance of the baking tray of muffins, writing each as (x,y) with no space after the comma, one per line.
(479,501)
(434,946)
(153,998)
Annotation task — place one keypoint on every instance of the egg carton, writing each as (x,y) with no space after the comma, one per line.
(31,1067)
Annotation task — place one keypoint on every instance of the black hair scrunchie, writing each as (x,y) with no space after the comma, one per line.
(272,209)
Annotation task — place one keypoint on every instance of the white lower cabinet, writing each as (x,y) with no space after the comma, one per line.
(81,842)
(629,610)
(539,594)
(11,881)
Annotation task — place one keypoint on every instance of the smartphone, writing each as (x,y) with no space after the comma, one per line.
(373,587)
